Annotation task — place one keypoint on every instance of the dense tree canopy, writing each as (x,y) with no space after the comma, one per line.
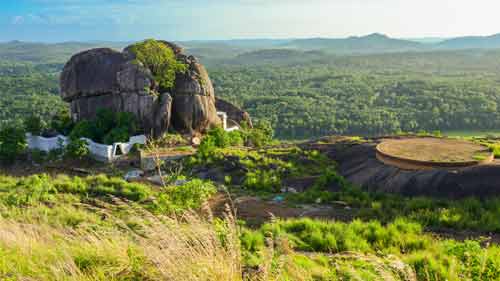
(316,94)
(368,95)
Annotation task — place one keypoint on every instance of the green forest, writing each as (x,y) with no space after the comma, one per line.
(312,93)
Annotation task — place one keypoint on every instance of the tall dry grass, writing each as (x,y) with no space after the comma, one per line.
(197,248)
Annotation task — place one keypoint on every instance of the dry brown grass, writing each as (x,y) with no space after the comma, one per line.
(190,248)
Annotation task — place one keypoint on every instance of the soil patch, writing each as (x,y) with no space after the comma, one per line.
(430,153)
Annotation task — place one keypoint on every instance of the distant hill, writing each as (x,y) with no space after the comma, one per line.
(373,43)
(472,42)
(47,53)
(278,56)
(244,50)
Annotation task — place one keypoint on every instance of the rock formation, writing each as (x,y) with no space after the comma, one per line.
(234,113)
(105,78)
(359,165)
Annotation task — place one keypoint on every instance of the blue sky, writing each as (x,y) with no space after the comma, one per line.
(124,20)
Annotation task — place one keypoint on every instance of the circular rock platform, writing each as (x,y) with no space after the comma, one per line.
(432,153)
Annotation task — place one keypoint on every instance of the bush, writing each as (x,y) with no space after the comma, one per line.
(236,138)
(34,125)
(186,196)
(120,134)
(221,138)
(77,148)
(206,148)
(62,122)
(12,143)
(261,134)
(263,180)
(82,129)
(160,60)
(108,127)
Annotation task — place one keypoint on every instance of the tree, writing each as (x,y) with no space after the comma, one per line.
(160,60)
(12,143)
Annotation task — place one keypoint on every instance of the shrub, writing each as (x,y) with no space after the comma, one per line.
(82,129)
(34,125)
(206,148)
(261,135)
(263,180)
(170,140)
(160,60)
(186,196)
(12,143)
(236,138)
(108,127)
(120,134)
(61,122)
(77,148)
(221,138)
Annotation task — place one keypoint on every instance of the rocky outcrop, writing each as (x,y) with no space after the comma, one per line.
(194,99)
(234,113)
(105,78)
(359,165)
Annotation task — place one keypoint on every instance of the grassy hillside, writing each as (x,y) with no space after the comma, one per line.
(100,227)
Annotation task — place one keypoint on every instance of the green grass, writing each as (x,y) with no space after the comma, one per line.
(43,190)
(431,258)
(264,170)
(472,133)
(465,214)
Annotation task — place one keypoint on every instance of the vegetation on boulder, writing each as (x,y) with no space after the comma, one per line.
(160,59)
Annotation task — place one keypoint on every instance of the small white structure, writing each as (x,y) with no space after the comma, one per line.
(223,117)
(100,152)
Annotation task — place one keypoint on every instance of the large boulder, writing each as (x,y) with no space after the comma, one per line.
(105,78)
(234,113)
(193,108)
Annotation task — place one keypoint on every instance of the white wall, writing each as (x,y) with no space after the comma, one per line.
(100,152)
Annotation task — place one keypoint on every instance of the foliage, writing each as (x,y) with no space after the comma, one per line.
(61,122)
(469,213)
(120,134)
(431,259)
(44,189)
(77,149)
(34,125)
(261,170)
(169,140)
(160,59)
(366,95)
(108,127)
(12,143)
(190,195)
(28,92)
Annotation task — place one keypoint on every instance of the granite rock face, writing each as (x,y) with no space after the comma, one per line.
(105,78)
(234,113)
(194,100)
(359,165)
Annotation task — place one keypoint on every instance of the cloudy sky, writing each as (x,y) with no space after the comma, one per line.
(123,20)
